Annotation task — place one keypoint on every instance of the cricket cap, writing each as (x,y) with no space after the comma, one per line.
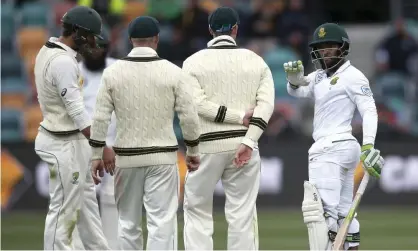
(223,19)
(143,27)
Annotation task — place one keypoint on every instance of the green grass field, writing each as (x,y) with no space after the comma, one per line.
(381,229)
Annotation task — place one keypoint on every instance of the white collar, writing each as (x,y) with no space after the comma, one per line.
(142,52)
(343,67)
(221,41)
(55,40)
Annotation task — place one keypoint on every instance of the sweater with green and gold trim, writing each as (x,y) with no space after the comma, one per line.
(144,91)
(228,81)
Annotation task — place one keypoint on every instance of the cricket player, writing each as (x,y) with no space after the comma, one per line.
(92,68)
(338,88)
(144,90)
(62,139)
(234,91)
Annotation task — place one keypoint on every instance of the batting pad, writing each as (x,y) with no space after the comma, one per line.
(313,217)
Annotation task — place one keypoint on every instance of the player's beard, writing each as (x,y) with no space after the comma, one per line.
(95,63)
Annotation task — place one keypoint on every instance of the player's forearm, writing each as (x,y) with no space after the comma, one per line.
(189,123)
(298,91)
(258,124)
(220,114)
(370,121)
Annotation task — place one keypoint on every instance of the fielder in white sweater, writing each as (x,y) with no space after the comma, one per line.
(230,84)
(144,91)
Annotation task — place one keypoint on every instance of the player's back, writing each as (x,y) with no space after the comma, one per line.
(55,115)
(229,75)
(144,100)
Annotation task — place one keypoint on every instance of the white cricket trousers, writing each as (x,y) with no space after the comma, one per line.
(155,187)
(332,164)
(241,187)
(72,193)
(109,211)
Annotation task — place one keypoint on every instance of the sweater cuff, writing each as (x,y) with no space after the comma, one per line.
(192,151)
(249,142)
(97,153)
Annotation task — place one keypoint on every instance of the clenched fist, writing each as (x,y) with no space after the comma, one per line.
(295,73)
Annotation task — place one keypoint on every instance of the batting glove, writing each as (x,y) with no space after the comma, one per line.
(372,161)
(295,74)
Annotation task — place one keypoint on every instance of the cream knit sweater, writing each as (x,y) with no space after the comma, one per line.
(144,91)
(228,81)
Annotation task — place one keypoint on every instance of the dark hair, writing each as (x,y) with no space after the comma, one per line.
(223,33)
(67,30)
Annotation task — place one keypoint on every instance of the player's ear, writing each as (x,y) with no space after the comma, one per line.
(234,30)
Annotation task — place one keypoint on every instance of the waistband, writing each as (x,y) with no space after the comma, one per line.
(73,135)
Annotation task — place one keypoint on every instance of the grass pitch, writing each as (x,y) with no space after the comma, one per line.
(381,229)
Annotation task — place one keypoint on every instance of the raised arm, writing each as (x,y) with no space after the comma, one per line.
(101,118)
(263,109)
(187,113)
(207,109)
(298,85)
(64,75)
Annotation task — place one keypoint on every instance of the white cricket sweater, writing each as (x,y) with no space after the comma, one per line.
(144,91)
(228,81)
(58,84)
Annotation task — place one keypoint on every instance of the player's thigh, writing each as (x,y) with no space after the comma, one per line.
(129,191)
(345,153)
(64,175)
(161,190)
(240,183)
(326,178)
(199,185)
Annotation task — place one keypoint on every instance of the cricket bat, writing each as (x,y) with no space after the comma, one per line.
(343,230)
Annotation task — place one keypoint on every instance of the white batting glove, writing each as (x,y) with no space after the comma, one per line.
(295,73)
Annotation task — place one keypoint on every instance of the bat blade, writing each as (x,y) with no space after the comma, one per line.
(343,230)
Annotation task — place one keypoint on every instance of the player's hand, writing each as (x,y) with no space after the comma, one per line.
(247,117)
(109,160)
(97,171)
(193,163)
(372,161)
(243,155)
(295,73)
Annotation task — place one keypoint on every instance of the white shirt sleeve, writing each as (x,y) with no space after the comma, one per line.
(362,96)
(303,91)
(64,76)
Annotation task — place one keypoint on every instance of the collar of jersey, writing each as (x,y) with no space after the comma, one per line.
(66,47)
(226,40)
(343,67)
(142,52)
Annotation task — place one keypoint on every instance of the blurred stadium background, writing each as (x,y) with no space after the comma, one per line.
(384,37)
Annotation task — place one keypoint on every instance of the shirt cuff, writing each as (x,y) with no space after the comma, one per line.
(97,153)
(249,142)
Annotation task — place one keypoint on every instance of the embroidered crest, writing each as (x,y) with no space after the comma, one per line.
(366,90)
(319,77)
(80,81)
(334,80)
(321,32)
(75,177)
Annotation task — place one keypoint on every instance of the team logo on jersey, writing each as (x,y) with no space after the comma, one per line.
(366,90)
(80,81)
(334,80)
(319,77)
(321,32)
(63,92)
(75,177)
